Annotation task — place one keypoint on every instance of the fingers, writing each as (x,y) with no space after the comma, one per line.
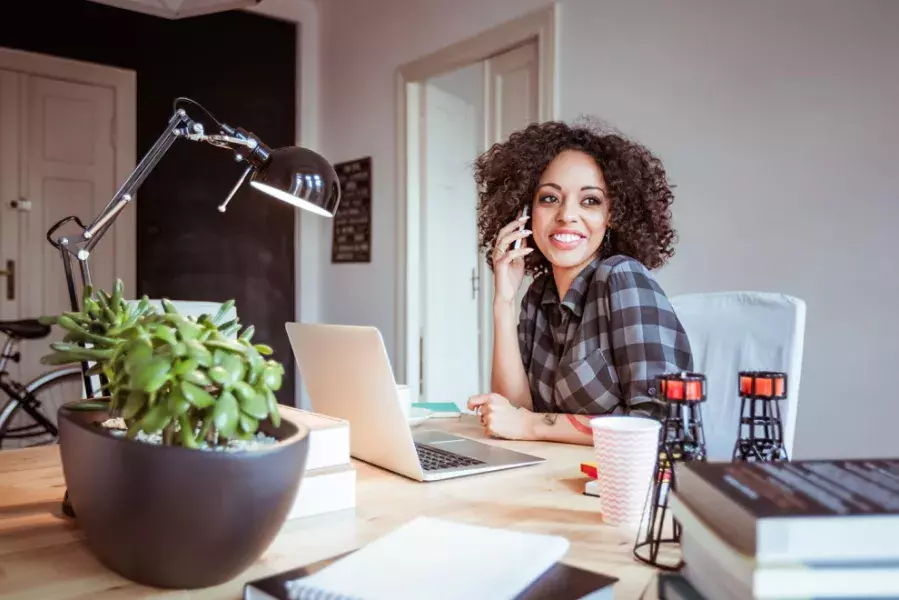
(510,238)
(507,235)
(478,400)
(488,427)
(510,227)
(513,254)
(483,401)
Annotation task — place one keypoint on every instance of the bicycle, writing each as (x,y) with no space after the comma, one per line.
(29,416)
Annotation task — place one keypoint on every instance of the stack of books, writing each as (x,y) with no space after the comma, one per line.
(591,487)
(802,529)
(329,482)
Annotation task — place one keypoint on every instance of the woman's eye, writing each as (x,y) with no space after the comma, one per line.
(592,200)
(549,198)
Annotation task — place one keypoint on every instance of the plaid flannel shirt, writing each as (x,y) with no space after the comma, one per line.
(599,350)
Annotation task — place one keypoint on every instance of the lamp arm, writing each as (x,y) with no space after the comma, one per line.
(179,126)
(79,246)
(126,192)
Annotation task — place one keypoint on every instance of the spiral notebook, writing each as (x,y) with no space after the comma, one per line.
(436,559)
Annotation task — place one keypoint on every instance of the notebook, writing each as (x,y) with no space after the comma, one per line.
(440,410)
(561,582)
(437,559)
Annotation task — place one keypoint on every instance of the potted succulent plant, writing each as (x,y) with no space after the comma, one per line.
(183,472)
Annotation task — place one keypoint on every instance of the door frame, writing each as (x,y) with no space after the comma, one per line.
(123,83)
(539,26)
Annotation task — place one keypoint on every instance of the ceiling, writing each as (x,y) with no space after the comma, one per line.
(179,9)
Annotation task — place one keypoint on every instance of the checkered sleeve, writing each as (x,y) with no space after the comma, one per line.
(526,322)
(646,337)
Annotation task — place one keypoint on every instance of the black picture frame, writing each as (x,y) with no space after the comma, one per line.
(351,230)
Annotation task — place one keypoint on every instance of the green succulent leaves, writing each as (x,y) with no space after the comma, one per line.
(195,380)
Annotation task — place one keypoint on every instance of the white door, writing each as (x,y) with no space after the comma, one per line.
(512,103)
(453,122)
(10,281)
(66,167)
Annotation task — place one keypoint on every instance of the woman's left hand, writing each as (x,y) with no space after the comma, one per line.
(501,418)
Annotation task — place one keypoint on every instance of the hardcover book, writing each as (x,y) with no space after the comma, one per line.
(826,510)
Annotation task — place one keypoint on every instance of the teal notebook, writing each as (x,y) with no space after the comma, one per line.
(441,410)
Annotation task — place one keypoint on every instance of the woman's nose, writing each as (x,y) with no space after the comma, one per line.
(567,212)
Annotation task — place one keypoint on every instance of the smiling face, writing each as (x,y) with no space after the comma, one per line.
(570,211)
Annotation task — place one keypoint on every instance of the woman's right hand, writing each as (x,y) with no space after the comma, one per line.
(508,262)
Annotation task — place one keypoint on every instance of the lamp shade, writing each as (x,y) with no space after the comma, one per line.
(300,177)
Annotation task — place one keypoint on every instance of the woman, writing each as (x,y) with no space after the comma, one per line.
(595,328)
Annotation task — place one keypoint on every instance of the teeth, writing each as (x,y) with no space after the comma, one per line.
(566,238)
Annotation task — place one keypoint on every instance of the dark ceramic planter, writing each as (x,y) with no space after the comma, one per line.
(171,517)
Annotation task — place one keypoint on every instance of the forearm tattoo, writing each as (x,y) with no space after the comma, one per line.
(586,429)
(551,418)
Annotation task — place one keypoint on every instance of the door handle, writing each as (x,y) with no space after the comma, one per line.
(22,205)
(10,274)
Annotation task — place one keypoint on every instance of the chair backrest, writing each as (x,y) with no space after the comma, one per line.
(195,308)
(738,331)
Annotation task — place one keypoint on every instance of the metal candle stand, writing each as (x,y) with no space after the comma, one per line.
(681,439)
(760,435)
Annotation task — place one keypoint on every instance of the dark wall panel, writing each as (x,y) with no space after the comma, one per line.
(240,66)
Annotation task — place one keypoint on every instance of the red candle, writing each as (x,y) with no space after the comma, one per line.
(694,390)
(764,384)
(674,390)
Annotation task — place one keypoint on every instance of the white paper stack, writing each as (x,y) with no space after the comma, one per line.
(329,482)
(412,562)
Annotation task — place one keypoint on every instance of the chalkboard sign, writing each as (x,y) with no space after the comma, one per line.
(352,223)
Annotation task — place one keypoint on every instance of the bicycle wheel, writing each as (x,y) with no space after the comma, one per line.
(23,426)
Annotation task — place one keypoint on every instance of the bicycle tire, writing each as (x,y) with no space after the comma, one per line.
(18,429)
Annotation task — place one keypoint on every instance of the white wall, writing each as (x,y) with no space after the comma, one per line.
(364,42)
(777,122)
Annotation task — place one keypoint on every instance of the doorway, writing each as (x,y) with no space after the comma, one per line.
(67,131)
(454,129)
(454,106)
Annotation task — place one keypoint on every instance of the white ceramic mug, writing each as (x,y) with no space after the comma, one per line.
(405,398)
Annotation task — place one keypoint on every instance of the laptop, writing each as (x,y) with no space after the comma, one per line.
(347,374)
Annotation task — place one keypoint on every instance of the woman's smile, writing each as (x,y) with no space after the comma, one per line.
(567,239)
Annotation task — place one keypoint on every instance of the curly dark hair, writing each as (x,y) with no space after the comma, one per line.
(640,219)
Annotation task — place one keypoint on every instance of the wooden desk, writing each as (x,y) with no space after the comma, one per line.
(42,556)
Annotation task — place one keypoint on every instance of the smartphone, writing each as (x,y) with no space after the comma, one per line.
(523,213)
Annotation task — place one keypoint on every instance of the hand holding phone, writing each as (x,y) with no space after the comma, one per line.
(521,215)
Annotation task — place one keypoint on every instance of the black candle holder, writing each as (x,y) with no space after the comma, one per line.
(760,434)
(681,439)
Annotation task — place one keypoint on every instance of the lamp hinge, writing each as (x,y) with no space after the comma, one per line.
(421,365)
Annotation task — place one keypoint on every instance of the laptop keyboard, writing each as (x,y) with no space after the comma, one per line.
(433,459)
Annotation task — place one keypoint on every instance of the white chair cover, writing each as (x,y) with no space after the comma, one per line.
(738,331)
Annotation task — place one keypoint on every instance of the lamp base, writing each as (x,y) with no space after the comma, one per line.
(67,509)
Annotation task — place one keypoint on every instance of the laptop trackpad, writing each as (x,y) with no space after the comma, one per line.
(432,436)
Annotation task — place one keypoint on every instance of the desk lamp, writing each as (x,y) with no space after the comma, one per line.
(292,174)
